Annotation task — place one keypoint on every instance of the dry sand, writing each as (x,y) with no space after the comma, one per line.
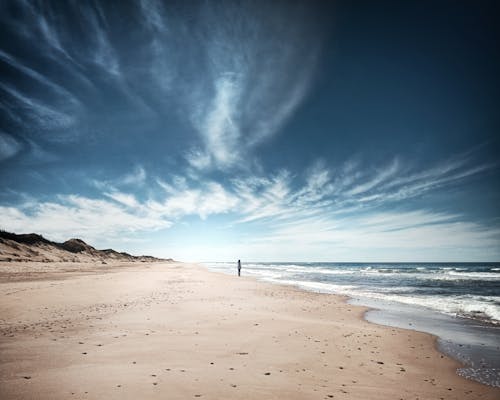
(177,331)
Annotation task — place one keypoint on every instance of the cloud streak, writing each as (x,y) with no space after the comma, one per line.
(258,64)
(43,116)
(9,146)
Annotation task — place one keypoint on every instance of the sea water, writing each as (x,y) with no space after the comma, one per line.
(458,302)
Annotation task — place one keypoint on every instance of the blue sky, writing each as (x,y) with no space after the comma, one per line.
(284,131)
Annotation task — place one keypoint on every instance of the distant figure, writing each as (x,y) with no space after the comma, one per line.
(239,268)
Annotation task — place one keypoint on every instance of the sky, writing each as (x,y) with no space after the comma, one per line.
(254,130)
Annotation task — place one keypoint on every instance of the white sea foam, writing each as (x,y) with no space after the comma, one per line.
(466,305)
(476,275)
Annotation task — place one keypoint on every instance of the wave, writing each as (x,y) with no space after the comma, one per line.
(480,275)
(474,307)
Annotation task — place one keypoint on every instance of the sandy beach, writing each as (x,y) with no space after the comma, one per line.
(178,331)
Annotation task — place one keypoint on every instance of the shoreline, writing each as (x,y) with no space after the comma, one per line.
(472,341)
(456,337)
(151,330)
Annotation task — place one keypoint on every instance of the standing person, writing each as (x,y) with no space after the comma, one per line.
(239,268)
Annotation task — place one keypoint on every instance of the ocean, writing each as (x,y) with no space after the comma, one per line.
(457,302)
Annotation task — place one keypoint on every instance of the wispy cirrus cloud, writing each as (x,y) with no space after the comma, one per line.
(102,52)
(207,199)
(42,24)
(40,114)
(136,177)
(38,78)
(260,64)
(50,70)
(257,65)
(9,146)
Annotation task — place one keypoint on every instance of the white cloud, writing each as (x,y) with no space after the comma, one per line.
(71,216)
(123,198)
(220,128)
(136,177)
(199,159)
(210,198)
(381,177)
(154,14)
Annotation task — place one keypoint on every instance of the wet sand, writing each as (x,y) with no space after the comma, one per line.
(177,331)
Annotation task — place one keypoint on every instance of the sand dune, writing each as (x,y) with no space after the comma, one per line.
(35,248)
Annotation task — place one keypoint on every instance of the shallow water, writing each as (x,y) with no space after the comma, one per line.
(474,344)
